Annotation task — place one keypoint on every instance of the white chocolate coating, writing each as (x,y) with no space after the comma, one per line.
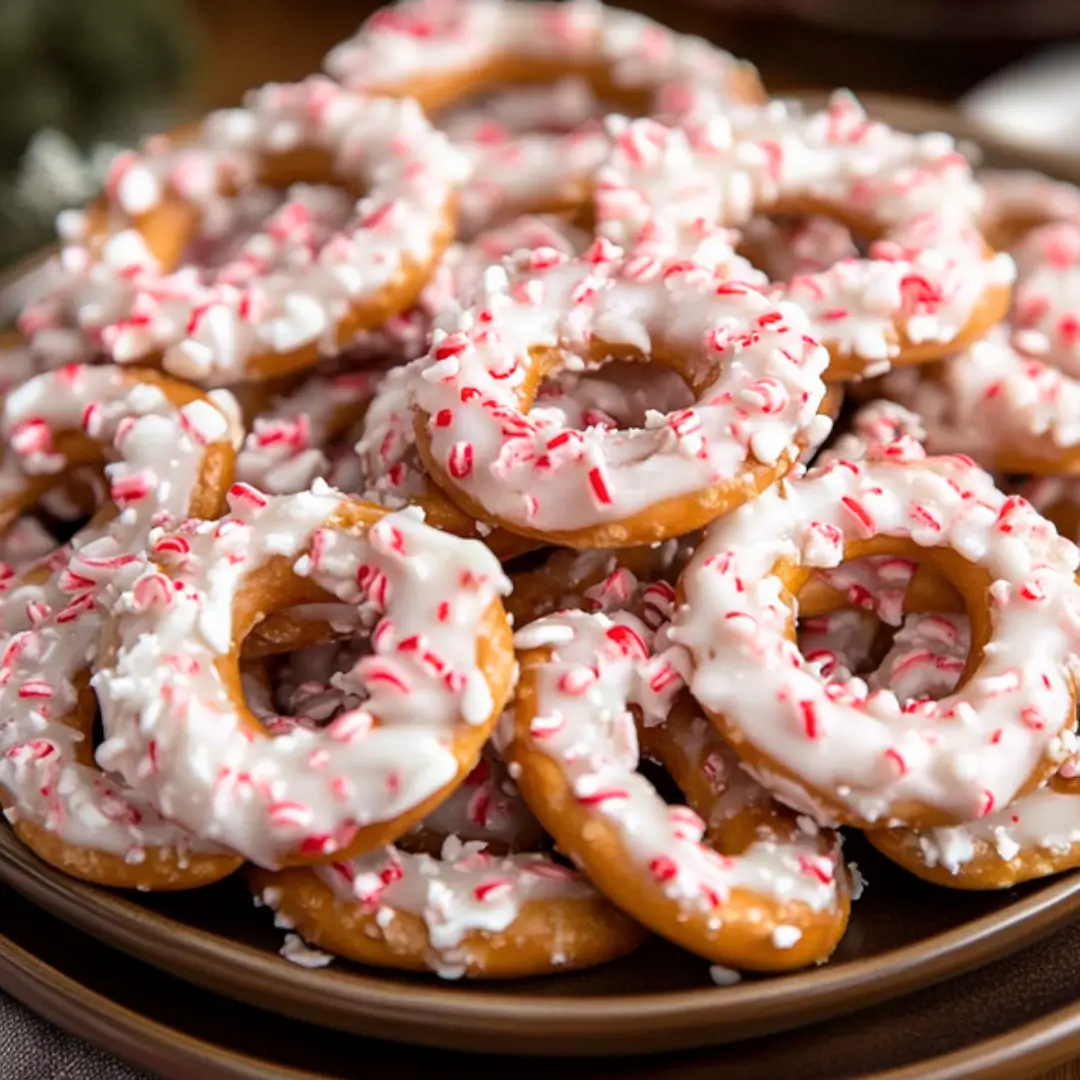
(535,146)
(173,731)
(924,275)
(52,631)
(294,279)
(601,666)
(965,755)
(760,372)
(466,892)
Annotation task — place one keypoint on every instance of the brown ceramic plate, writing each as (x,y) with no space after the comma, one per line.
(904,936)
(1009,1021)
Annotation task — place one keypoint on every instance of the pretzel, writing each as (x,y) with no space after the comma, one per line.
(1010,400)
(603,400)
(438,675)
(448,898)
(468,913)
(930,284)
(288,445)
(441,51)
(753,370)
(1033,837)
(835,750)
(1018,200)
(764,900)
(303,284)
(170,456)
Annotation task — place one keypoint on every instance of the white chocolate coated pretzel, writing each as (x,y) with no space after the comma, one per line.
(838,751)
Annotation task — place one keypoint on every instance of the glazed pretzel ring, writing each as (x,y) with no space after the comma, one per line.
(1033,837)
(1010,411)
(835,751)
(449,897)
(1016,201)
(766,897)
(171,455)
(439,51)
(59,421)
(434,684)
(297,290)
(930,284)
(390,463)
(442,51)
(1011,400)
(753,370)
(468,913)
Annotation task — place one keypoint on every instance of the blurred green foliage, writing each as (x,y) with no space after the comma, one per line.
(88,68)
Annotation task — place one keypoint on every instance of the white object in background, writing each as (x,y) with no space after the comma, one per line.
(1035,103)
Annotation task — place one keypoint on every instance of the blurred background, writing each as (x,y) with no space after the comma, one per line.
(79,78)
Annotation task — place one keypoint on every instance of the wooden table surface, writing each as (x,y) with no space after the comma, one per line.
(246,45)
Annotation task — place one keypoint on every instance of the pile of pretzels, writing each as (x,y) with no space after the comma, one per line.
(393,464)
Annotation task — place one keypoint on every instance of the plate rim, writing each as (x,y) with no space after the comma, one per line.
(1044,1043)
(446,1016)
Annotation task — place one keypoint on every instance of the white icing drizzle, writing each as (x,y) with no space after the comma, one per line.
(1047,820)
(296,952)
(965,755)
(295,278)
(608,398)
(417,38)
(1045,315)
(759,378)
(1017,390)
(172,729)
(52,631)
(875,425)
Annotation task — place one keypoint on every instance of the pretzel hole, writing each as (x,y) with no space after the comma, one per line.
(940,580)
